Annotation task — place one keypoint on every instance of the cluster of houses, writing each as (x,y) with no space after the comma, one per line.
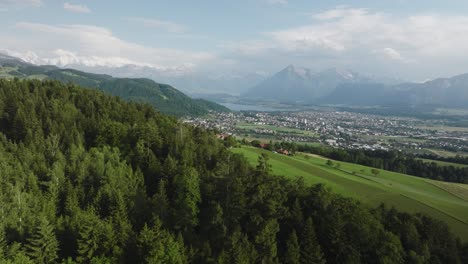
(339,129)
(280,151)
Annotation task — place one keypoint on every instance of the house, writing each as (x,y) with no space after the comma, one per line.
(264,145)
(222,136)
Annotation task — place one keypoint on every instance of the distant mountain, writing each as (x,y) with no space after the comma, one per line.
(163,97)
(443,92)
(450,92)
(185,80)
(367,94)
(296,84)
(347,88)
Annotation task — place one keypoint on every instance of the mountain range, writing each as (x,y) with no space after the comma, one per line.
(296,84)
(163,97)
(344,87)
(185,80)
(291,85)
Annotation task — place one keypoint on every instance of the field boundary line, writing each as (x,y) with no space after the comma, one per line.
(453,194)
(445,213)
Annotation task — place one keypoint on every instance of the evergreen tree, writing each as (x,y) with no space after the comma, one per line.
(293,253)
(187,196)
(240,248)
(311,252)
(156,245)
(263,165)
(43,245)
(3,243)
(266,242)
(160,202)
(88,240)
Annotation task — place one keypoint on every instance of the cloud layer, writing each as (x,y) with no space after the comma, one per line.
(96,46)
(76,8)
(417,46)
(5,5)
(358,37)
(158,24)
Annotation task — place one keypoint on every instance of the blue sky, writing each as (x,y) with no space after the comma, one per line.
(411,39)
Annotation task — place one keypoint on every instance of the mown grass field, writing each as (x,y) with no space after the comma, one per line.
(445,201)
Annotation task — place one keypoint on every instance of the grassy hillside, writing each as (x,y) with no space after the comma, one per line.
(163,97)
(444,201)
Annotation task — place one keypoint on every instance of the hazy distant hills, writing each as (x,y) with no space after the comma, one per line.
(164,97)
(291,85)
(343,87)
(296,84)
(232,83)
(442,92)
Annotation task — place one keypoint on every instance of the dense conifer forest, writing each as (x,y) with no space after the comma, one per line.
(88,178)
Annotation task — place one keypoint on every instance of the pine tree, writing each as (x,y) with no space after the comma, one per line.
(311,252)
(296,215)
(263,165)
(156,245)
(265,241)
(293,253)
(88,241)
(187,198)
(241,249)
(42,247)
(160,202)
(3,243)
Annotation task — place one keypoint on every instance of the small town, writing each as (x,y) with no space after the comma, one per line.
(340,129)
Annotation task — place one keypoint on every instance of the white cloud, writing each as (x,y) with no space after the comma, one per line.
(64,57)
(413,46)
(21,2)
(277,2)
(391,54)
(76,8)
(339,12)
(349,30)
(95,46)
(5,5)
(158,24)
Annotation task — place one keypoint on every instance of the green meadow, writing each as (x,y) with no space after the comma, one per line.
(444,201)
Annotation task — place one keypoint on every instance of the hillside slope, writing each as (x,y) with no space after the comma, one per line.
(163,97)
(405,192)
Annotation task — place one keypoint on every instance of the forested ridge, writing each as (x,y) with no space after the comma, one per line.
(163,97)
(88,178)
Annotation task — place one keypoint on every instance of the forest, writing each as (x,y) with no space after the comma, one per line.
(89,178)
